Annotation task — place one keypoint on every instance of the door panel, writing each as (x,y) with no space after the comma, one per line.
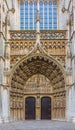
(30,108)
(46,108)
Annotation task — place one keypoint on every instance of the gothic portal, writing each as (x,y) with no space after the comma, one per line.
(37,60)
(34,77)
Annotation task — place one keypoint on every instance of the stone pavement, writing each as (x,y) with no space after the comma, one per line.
(38,125)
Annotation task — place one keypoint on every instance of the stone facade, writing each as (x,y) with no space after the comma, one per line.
(37,58)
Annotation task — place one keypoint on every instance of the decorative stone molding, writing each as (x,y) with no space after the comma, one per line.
(23,35)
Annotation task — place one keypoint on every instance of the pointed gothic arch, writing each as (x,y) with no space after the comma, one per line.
(37,63)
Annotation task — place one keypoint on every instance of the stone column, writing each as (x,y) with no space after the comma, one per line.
(1,119)
(7,53)
(73,81)
(68,70)
(1,66)
(68,81)
(38,108)
(73,104)
(74,12)
(5,91)
(73,67)
(5,104)
(7,63)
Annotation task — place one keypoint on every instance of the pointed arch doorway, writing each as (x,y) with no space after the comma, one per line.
(30,108)
(38,65)
(45,108)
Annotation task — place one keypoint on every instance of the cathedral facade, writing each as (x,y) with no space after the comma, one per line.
(37,60)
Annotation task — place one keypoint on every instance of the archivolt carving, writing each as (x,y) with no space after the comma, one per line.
(34,66)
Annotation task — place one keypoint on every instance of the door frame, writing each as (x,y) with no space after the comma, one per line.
(41,106)
(35,96)
(25,106)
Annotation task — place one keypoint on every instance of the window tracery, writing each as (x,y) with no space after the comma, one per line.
(48,15)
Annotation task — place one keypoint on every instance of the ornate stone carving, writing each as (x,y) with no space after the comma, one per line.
(37,61)
(24,35)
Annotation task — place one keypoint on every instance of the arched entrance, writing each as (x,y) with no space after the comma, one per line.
(37,65)
(30,108)
(45,108)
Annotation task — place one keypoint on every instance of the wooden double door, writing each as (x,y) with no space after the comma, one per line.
(30,108)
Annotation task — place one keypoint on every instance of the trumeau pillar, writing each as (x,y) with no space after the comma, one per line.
(38,108)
